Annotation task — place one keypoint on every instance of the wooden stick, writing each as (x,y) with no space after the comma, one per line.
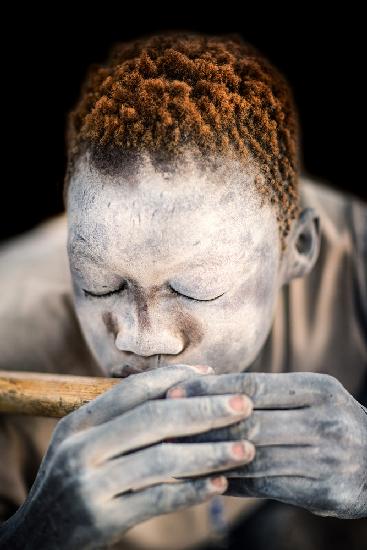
(54,395)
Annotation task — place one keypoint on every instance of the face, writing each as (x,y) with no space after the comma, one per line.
(176,267)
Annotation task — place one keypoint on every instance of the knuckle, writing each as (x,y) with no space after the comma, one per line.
(330,386)
(251,384)
(331,428)
(71,454)
(326,389)
(329,461)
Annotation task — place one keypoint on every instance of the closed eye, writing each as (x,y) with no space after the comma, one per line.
(89,293)
(195,299)
(107,294)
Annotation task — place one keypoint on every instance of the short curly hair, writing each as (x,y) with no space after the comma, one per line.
(219,94)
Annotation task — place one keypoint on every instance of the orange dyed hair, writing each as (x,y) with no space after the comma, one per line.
(218,94)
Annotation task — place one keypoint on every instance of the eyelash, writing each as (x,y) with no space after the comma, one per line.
(195,299)
(107,294)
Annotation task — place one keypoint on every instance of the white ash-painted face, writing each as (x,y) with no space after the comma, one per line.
(197,259)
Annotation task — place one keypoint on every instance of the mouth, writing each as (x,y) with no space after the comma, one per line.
(125,370)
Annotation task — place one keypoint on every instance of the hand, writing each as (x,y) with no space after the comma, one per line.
(106,468)
(310,436)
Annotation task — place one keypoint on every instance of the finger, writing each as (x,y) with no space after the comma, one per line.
(129,393)
(299,491)
(267,390)
(155,420)
(165,462)
(128,510)
(302,461)
(265,427)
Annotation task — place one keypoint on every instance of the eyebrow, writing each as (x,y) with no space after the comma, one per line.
(80,246)
(84,248)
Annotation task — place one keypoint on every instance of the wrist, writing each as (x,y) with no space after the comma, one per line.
(25,529)
(12,533)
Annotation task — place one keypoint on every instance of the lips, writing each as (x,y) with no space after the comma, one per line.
(123,371)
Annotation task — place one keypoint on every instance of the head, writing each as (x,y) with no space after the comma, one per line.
(183,204)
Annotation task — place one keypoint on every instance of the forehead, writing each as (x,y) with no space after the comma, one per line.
(170,219)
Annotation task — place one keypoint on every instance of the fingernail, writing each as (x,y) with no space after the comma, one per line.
(238,450)
(243,449)
(176,393)
(219,482)
(239,403)
(204,369)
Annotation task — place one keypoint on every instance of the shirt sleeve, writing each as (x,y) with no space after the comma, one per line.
(325,314)
(358,223)
(23,442)
(357,213)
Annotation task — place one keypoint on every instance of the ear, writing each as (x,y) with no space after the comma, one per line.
(303,246)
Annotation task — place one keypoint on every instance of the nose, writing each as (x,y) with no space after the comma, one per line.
(157,337)
(145,344)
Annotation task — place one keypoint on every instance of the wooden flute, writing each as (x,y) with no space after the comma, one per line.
(43,394)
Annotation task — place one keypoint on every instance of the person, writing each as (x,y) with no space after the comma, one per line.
(197,261)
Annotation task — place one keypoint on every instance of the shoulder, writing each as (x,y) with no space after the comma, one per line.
(343,223)
(340,211)
(327,309)
(39,329)
(37,257)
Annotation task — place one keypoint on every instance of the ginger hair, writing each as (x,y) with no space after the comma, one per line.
(218,94)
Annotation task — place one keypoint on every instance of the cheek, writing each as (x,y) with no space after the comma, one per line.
(259,288)
(237,330)
(265,291)
(190,327)
(90,319)
(252,300)
(255,302)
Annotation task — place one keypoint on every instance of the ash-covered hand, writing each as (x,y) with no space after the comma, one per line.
(310,436)
(109,468)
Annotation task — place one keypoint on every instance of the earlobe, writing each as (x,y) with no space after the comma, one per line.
(303,246)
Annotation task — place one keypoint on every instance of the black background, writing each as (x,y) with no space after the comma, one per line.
(47,50)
